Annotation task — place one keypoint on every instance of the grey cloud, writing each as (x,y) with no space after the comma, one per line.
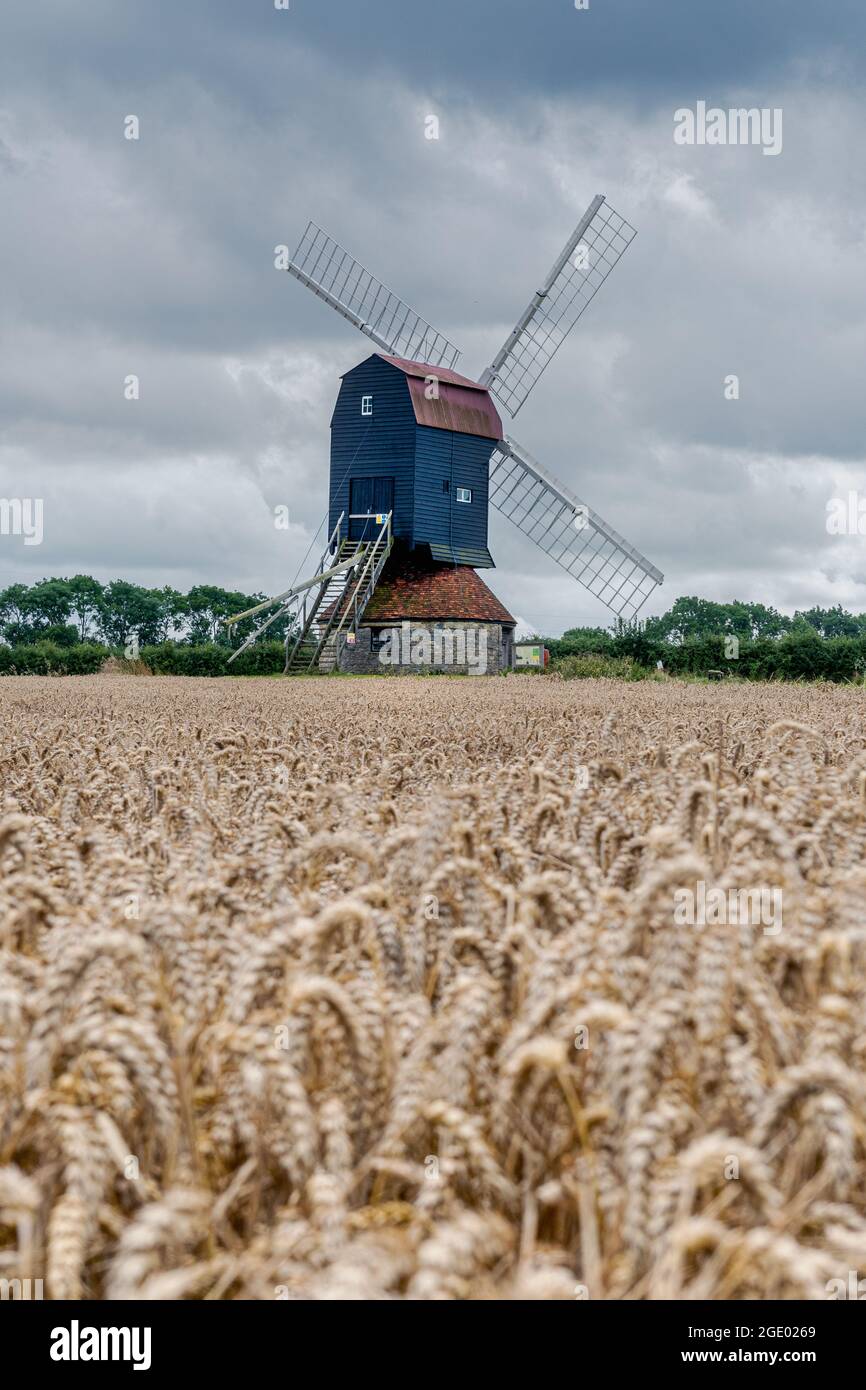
(156,257)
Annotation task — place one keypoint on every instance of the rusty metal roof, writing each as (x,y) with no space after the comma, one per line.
(461,405)
(425,369)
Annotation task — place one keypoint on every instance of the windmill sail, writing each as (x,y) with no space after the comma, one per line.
(335,276)
(576,537)
(581,268)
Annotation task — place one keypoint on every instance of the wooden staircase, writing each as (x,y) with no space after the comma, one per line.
(337,604)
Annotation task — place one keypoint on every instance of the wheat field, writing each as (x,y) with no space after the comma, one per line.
(374,989)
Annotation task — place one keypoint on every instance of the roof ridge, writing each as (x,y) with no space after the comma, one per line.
(424,369)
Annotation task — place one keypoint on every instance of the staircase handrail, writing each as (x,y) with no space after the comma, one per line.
(371,586)
(375,561)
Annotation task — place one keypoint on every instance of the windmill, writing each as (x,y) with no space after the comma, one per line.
(419,453)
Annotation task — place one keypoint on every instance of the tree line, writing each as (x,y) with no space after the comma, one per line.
(67,625)
(694,618)
(691,619)
(68,612)
(745,639)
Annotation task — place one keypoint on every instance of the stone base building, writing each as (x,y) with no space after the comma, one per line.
(426,617)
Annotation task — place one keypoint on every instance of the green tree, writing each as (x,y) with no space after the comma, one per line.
(239,632)
(208,605)
(48,603)
(29,612)
(87,598)
(691,619)
(766,622)
(174,612)
(586,633)
(13,606)
(126,609)
(832,622)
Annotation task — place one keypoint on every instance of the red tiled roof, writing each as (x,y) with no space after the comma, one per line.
(409,588)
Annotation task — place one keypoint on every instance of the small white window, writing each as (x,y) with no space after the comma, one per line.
(366,405)
(464,494)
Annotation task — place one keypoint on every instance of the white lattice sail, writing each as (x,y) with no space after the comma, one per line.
(330,272)
(570,532)
(581,268)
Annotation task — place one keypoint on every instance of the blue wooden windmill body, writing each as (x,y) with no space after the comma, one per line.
(414,440)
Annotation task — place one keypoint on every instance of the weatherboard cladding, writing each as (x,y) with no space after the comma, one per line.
(383,446)
(427,461)
(458,460)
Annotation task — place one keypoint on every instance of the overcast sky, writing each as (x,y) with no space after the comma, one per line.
(155,257)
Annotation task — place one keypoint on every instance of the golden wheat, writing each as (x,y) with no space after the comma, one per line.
(374,989)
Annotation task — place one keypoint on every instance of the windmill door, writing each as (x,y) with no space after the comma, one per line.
(368,498)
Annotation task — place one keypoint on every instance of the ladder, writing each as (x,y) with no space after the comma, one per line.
(338,604)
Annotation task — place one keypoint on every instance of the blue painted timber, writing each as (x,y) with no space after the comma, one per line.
(427,466)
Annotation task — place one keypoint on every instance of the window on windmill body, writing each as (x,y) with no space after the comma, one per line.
(366,405)
(464,494)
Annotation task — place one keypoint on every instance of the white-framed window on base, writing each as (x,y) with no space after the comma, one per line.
(366,405)
(464,494)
